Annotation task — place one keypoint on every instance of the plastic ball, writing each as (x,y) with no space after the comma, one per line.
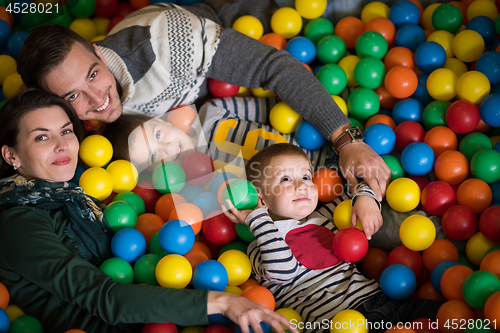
(485,26)
(333,78)
(222,89)
(441,139)
(394,165)
(417,232)
(286,22)
(421,94)
(124,175)
(478,8)
(363,103)
(167,203)
(249,25)
(84,27)
(445,39)
(399,56)
(476,248)
(283,118)
(383,26)
(342,216)
(485,165)
(409,36)
(475,194)
(238,266)
(329,183)
(261,296)
(369,72)
(447,17)
(472,143)
(350,244)
(331,49)
(176,237)
(438,272)
(308,137)
(491,307)
(264,326)
(211,275)
(374,262)
(128,244)
(478,286)
(168,177)
(371,44)
(4,321)
(452,281)
(489,64)
(381,138)
(417,159)
(159,328)
(407,257)
(404,12)
(242,193)
(381,119)
(302,49)
(349,28)
(120,215)
(398,282)
(459,222)
(148,224)
(407,109)
(440,250)
(453,310)
(348,321)
(430,56)
(437,197)
(403,194)
(341,104)
(318,28)
(457,66)
(132,199)
(452,167)
(118,269)
(489,223)
(173,271)
(442,84)
(490,110)
(401,82)
(468,45)
(373,10)
(149,195)
(7,67)
(310,9)
(473,87)
(96,182)
(198,168)
(490,262)
(462,117)
(218,229)
(292,316)
(189,213)
(96,151)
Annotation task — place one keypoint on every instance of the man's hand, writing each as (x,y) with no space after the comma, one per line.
(366,209)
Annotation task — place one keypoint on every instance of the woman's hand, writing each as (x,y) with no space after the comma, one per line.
(246,313)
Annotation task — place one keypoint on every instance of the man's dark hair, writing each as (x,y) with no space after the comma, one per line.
(45,49)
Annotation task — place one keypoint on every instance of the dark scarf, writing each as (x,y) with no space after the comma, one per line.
(87,227)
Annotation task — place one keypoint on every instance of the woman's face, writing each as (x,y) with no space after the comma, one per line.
(47,147)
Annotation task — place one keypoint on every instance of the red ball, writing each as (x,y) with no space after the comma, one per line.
(421,181)
(198,167)
(459,222)
(437,197)
(160,328)
(407,257)
(114,21)
(105,8)
(489,223)
(148,194)
(217,329)
(462,117)
(222,89)
(218,228)
(350,244)
(124,9)
(408,132)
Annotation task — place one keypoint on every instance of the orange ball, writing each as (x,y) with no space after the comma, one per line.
(261,296)
(452,167)
(420,9)
(202,247)
(167,203)
(482,127)
(138,4)
(463,9)
(74,331)
(401,82)
(453,311)
(6,16)
(329,183)
(492,309)
(4,296)
(182,117)
(189,213)
(195,256)
(475,194)
(148,224)
(491,263)
(381,119)
(440,139)
(452,282)
(387,101)
(440,250)
(349,28)
(427,291)
(273,39)
(308,67)
(374,262)
(399,56)
(383,26)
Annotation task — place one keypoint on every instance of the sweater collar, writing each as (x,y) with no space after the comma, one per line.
(119,70)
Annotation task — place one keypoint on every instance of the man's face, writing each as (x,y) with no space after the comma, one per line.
(84,80)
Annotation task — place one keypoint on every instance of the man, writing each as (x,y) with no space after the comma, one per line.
(161,57)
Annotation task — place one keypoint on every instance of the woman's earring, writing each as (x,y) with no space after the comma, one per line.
(14,165)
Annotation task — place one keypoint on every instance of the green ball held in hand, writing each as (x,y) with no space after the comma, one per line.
(132,199)
(144,269)
(118,269)
(242,193)
(333,78)
(371,44)
(168,177)
(318,28)
(120,214)
(370,72)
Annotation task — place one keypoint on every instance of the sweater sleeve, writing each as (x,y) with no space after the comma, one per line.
(31,248)
(270,255)
(244,61)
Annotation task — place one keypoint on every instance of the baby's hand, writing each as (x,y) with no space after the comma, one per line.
(367,211)
(235,215)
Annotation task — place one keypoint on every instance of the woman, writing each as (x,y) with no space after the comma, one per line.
(53,237)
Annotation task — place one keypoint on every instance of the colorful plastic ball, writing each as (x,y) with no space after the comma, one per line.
(210,274)
(292,316)
(144,269)
(207,202)
(394,165)
(249,25)
(329,183)
(442,84)
(168,177)
(198,168)
(283,118)
(333,78)
(490,110)
(407,109)
(441,139)
(5,33)
(264,326)
(96,151)
(383,26)
(218,320)
(485,26)
(410,36)
(120,215)
(238,266)
(451,167)
(491,308)
(341,104)
(437,197)
(97,183)
(260,295)
(417,232)
(310,9)
(447,17)
(443,38)
(476,248)
(128,244)
(331,49)
(349,28)
(401,82)
(176,237)
(4,321)
(133,199)
(403,255)
(363,103)
(473,86)
(242,193)
(371,44)
(398,282)
(342,216)
(8,66)
(490,262)
(457,66)
(452,281)
(421,94)
(374,262)
(373,10)
(302,49)
(173,271)
(399,56)
(106,8)
(462,117)
(222,89)
(489,64)
(478,287)
(149,195)
(472,143)
(350,244)
(468,45)
(475,194)
(403,194)
(84,27)
(404,12)
(308,137)
(381,119)
(234,245)
(349,321)
(417,159)
(124,175)
(369,72)
(438,272)
(15,43)
(118,269)
(489,223)
(188,192)
(189,213)
(381,138)
(160,328)
(430,56)
(453,310)
(440,250)
(218,229)
(485,165)
(318,28)
(477,8)
(286,22)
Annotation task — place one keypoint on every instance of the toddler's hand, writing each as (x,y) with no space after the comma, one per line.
(238,216)
(367,211)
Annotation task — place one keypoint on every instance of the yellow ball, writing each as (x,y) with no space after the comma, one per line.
(417,232)
(238,266)
(473,86)
(403,194)
(84,27)
(12,85)
(457,66)
(244,92)
(494,139)
(97,183)
(443,38)
(293,316)
(482,8)
(261,93)
(14,312)
(97,38)
(427,16)
(310,9)
(442,84)
(342,215)
(124,175)
(249,25)
(341,103)
(8,65)
(468,45)
(283,118)
(101,25)
(348,321)
(173,271)
(193,329)
(96,151)
(477,246)
(347,64)
(286,22)
(233,290)
(373,10)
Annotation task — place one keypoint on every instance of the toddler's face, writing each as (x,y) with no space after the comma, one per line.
(287,188)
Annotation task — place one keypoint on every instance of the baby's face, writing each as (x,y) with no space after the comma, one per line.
(287,188)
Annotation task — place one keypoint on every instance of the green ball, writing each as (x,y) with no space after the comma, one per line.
(144,269)
(369,72)
(363,103)
(132,199)
(234,245)
(478,287)
(118,269)
(485,165)
(26,324)
(479,326)
(395,165)
(435,114)
(355,122)
(243,231)
(330,49)
(497,25)
(120,214)
(168,177)
(494,248)
(81,8)
(447,17)
(155,247)
(62,18)
(472,143)
(317,29)
(463,260)
(371,44)
(333,78)
(31,20)
(242,193)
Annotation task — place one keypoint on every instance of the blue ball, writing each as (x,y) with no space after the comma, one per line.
(308,137)
(15,43)
(490,110)
(495,44)
(219,319)
(189,191)
(410,36)
(438,271)
(495,188)
(176,237)
(207,202)
(210,274)
(265,328)
(489,64)
(189,2)
(380,137)
(422,94)
(302,49)
(398,282)
(484,26)
(219,178)
(430,56)
(495,89)
(385,111)
(417,159)
(5,33)
(408,109)
(4,321)
(317,69)
(128,244)
(403,12)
